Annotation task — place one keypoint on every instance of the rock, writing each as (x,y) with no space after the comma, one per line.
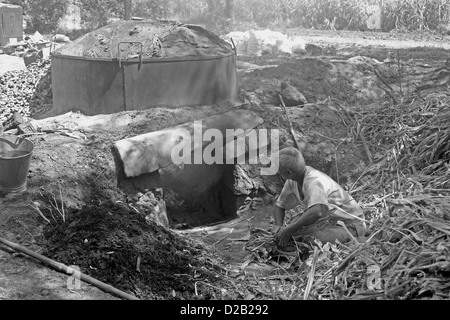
(250,98)
(45,292)
(291,96)
(154,207)
(248,181)
(243,184)
(26,128)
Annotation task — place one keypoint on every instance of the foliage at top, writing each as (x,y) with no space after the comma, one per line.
(405,15)
(42,15)
(221,16)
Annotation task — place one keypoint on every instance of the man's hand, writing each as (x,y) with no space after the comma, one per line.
(283,237)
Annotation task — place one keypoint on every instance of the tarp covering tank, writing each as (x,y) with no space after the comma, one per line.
(136,65)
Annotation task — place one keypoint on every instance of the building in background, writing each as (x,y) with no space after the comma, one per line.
(11,24)
(374,19)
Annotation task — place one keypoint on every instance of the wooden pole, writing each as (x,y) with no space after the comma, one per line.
(296,143)
(63,268)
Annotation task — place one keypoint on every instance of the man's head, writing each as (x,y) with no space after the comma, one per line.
(291,164)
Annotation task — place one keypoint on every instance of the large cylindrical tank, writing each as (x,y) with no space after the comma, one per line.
(136,65)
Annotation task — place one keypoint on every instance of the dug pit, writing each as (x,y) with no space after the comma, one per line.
(193,194)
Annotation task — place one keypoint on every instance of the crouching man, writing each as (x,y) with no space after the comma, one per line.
(324,203)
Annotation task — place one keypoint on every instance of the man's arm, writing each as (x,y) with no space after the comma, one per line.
(310,216)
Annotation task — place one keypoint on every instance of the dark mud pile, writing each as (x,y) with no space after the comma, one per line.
(115,244)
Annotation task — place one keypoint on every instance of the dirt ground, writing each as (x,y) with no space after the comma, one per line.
(73,167)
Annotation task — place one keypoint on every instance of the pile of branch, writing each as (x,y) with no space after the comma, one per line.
(406,257)
(405,191)
(414,136)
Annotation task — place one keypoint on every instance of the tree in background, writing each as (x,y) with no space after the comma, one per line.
(229,13)
(152,9)
(128,5)
(229,8)
(222,16)
(219,16)
(43,15)
(96,13)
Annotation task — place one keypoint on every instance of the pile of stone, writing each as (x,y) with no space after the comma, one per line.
(26,92)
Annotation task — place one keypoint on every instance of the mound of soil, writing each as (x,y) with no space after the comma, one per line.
(317,79)
(115,244)
(127,39)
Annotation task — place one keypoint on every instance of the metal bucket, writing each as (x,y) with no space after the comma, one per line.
(15,156)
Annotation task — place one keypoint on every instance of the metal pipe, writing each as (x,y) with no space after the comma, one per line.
(63,268)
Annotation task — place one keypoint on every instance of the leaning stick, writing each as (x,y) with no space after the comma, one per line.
(296,144)
(390,92)
(63,268)
(366,147)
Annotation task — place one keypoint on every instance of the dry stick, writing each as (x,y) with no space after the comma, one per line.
(57,208)
(311,274)
(138,264)
(336,160)
(399,72)
(296,143)
(389,92)
(40,213)
(366,170)
(366,147)
(63,268)
(62,203)
(343,265)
